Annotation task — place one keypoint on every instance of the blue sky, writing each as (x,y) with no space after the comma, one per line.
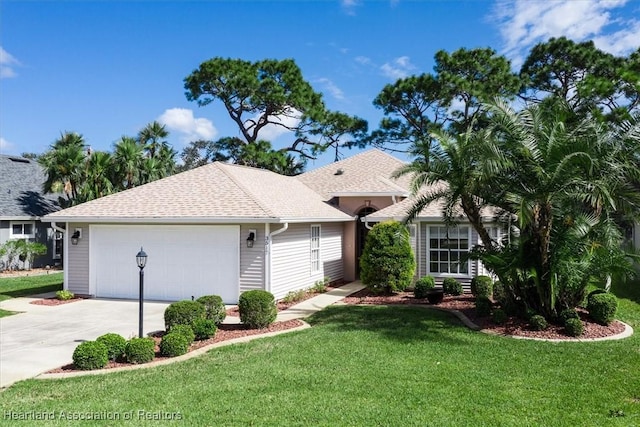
(107,68)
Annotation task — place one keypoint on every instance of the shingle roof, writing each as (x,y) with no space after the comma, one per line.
(217,191)
(21,189)
(366,173)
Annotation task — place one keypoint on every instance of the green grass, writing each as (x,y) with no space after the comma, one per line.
(395,366)
(14,287)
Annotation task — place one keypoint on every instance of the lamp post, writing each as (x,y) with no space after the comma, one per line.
(141,260)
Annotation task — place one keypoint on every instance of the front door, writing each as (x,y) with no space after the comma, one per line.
(361,235)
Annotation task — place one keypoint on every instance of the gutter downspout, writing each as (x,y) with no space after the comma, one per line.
(269,257)
(55,227)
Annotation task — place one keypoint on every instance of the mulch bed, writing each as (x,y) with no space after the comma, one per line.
(225,333)
(514,325)
(54,301)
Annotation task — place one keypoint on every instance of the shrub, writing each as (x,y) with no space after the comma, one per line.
(500,293)
(538,323)
(204,328)
(115,345)
(483,306)
(423,285)
(320,286)
(387,264)
(186,331)
(183,313)
(174,344)
(294,296)
(435,296)
(90,355)
(573,327)
(602,307)
(499,317)
(482,286)
(214,308)
(257,308)
(451,286)
(568,313)
(64,295)
(140,350)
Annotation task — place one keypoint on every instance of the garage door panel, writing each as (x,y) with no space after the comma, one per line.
(183,261)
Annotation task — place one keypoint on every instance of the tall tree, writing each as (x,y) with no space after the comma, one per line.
(128,158)
(448,99)
(64,165)
(272,93)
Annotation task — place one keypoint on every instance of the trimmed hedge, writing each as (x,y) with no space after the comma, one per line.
(204,328)
(140,350)
(186,331)
(214,308)
(90,355)
(174,344)
(482,286)
(483,306)
(423,285)
(538,323)
(499,317)
(451,286)
(183,313)
(115,345)
(387,264)
(602,307)
(257,308)
(573,327)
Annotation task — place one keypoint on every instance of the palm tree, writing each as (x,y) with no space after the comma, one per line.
(152,137)
(99,176)
(128,159)
(64,166)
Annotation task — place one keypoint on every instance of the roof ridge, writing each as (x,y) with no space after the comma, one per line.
(393,184)
(244,188)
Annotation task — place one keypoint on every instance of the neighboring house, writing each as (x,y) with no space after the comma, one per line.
(22,204)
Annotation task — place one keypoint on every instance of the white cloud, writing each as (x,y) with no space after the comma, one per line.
(7,64)
(524,23)
(398,68)
(349,6)
(182,120)
(331,88)
(5,146)
(363,60)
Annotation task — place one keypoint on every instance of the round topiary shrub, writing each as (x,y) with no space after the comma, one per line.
(499,317)
(483,306)
(538,323)
(183,313)
(423,285)
(186,331)
(500,293)
(115,345)
(204,328)
(214,308)
(573,327)
(387,264)
(482,286)
(602,307)
(451,286)
(568,313)
(257,308)
(140,350)
(174,344)
(90,355)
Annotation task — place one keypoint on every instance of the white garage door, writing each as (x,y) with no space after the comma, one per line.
(183,261)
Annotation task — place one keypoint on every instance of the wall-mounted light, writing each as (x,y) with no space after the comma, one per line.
(251,239)
(76,236)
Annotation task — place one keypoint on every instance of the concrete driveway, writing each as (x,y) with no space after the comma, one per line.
(44,337)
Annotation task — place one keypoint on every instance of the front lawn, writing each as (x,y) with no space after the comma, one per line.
(14,287)
(374,365)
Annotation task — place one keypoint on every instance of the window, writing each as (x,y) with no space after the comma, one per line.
(447,246)
(57,245)
(22,230)
(315,248)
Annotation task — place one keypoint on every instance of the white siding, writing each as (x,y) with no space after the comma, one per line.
(77,261)
(252,259)
(291,260)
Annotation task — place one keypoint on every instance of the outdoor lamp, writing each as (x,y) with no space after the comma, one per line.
(141,260)
(251,238)
(75,237)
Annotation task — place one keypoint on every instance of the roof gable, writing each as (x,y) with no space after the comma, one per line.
(369,172)
(21,189)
